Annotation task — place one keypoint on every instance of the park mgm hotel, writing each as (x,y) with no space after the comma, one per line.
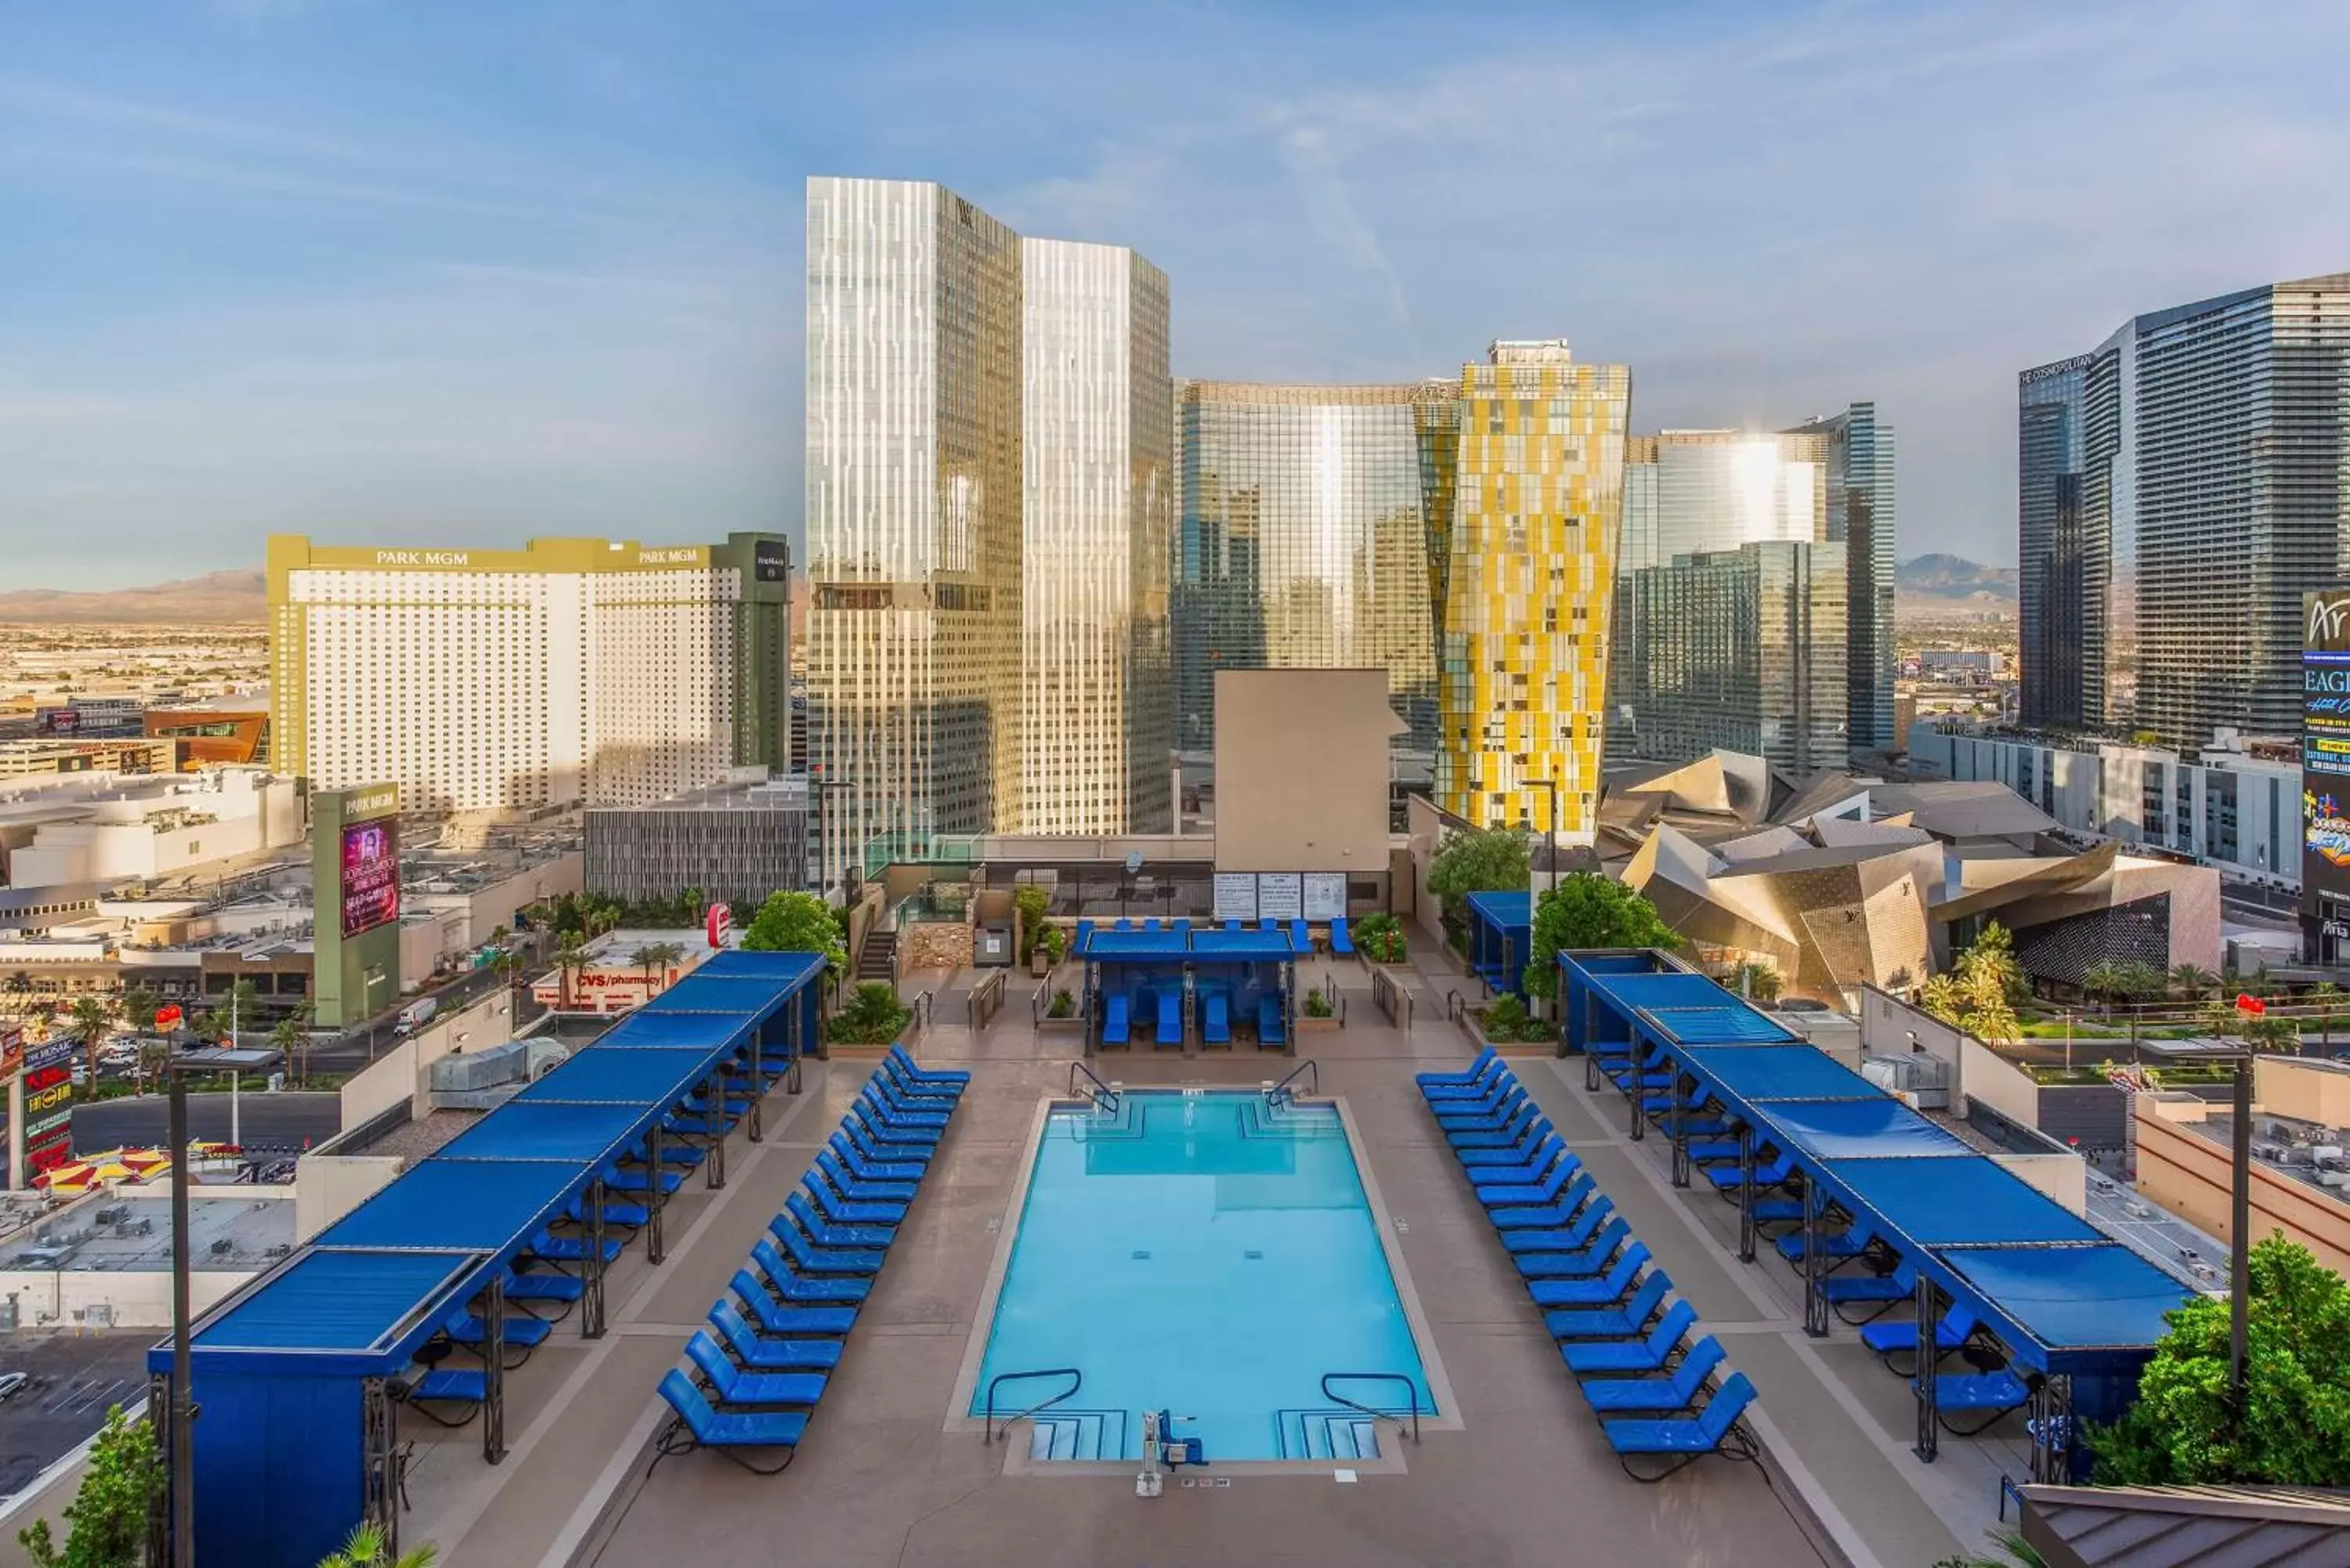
(569,671)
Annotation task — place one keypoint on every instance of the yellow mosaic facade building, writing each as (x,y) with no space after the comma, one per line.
(1528,576)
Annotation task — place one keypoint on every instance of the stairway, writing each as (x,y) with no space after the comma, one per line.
(1078,1435)
(1331,1434)
(878,959)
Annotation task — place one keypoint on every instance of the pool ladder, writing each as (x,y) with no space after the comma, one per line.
(1076,1381)
(1285,1094)
(1104,1098)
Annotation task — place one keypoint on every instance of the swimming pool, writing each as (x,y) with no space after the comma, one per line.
(1200,1253)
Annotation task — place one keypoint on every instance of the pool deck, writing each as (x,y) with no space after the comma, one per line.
(886,1477)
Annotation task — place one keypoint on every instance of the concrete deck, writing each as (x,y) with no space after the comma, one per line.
(882,1480)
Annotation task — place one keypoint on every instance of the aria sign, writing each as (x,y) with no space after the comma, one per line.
(2325,746)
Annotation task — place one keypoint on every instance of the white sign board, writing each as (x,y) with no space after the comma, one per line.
(1236,895)
(1326,895)
(1279,896)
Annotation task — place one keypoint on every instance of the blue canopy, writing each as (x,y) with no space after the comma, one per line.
(1146,946)
(1725,1022)
(1242,947)
(1753,1073)
(647,1029)
(1879,1128)
(791,967)
(743,996)
(1510,911)
(333,1303)
(1657,990)
(459,1205)
(580,1135)
(613,1075)
(1941,1201)
(2074,1300)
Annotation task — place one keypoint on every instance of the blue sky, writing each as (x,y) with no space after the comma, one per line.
(465,272)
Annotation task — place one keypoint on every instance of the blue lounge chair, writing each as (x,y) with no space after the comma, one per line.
(1507,1136)
(1656,1395)
(637,1178)
(1486,1060)
(1489,1097)
(920,1074)
(856,1192)
(1652,1354)
(1124,924)
(735,1433)
(1271,1029)
(905,1165)
(903,1109)
(1985,1395)
(1839,1248)
(1870,1295)
(557,1249)
(731,1385)
(1522,1148)
(882,1138)
(1630,1321)
(1577,1278)
(810,1259)
(1301,936)
(1216,1017)
(1116,1030)
(784,1324)
(628,1217)
(795,1289)
(1540,1195)
(1170,1018)
(897,1116)
(521,1335)
(466,1387)
(1682,1440)
(1085,934)
(925,1093)
(1726,1179)
(884,1214)
(551,1287)
(1597,1213)
(1232,925)
(824,1233)
(1892,1339)
(1183,925)
(1493,1120)
(1340,943)
(1527,1171)
(1562,1212)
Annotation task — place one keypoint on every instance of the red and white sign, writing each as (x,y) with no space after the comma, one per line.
(2250,1005)
(718,924)
(168,1016)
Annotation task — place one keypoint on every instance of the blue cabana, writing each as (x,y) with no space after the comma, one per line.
(1134,985)
(2077,1312)
(299,1432)
(1188,987)
(1501,934)
(1245,977)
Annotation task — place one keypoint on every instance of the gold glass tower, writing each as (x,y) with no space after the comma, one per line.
(1528,576)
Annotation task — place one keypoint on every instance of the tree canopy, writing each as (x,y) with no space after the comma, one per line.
(107,1521)
(1978,992)
(796,923)
(1479,860)
(1589,910)
(2296,1430)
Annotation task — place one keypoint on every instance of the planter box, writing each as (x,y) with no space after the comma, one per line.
(1307,1026)
(1072,1024)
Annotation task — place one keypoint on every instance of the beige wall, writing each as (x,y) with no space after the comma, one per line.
(1425,830)
(1302,770)
(2306,1091)
(399,1074)
(2063,1177)
(329,1185)
(138,1298)
(2188,1174)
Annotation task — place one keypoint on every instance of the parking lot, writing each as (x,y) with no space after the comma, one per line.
(75,1377)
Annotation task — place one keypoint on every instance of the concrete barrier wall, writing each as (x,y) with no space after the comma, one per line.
(329,1185)
(2063,1177)
(136,1298)
(399,1074)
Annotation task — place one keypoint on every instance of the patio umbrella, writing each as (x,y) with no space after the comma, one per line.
(146,1161)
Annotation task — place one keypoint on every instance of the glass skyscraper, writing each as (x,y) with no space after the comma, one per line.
(1303,539)
(1527,576)
(2178,489)
(1856,453)
(919,391)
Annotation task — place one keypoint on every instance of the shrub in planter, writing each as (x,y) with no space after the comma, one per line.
(1506,1020)
(873,1017)
(1063,1004)
(1316,1004)
(1379,938)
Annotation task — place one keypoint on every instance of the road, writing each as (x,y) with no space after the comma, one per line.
(359,1046)
(76,1376)
(270,1122)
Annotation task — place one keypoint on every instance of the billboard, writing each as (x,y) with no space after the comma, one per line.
(771,560)
(2326,745)
(49,1106)
(371,875)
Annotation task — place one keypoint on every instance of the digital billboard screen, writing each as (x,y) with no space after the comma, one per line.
(2326,745)
(371,875)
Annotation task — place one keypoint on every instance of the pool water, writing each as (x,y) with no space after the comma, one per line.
(1201,1254)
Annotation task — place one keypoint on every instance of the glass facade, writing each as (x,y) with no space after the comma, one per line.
(1100,432)
(1528,568)
(1742,649)
(1303,540)
(1856,451)
(2179,487)
(929,381)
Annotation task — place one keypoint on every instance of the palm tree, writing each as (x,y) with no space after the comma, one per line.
(366,1549)
(292,1038)
(655,956)
(2103,981)
(2326,994)
(2194,982)
(88,1022)
(139,1005)
(571,956)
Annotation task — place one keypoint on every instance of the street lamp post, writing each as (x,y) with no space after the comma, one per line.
(2239,1200)
(1550,829)
(183,1406)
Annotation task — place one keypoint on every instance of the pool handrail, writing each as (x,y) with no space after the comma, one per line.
(1103,1096)
(1076,1381)
(1410,1389)
(1281,1091)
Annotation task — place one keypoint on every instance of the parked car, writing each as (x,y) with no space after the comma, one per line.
(13,1384)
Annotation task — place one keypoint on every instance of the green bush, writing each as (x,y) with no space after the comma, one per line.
(1063,1004)
(1031,901)
(796,923)
(1317,1006)
(1589,910)
(873,1017)
(1380,938)
(106,1523)
(1505,1019)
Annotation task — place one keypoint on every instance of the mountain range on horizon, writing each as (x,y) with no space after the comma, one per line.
(1948,578)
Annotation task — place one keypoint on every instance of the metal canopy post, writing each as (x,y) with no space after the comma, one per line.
(494,1376)
(654,1251)
(1684,1097)
(714,1130)
(756,1087)
(592,1295)
(1816,1303)
(1929,1317)
(1745,1195)
(2051,1426)
(1638,1092)
(380,1498)
(795,1047)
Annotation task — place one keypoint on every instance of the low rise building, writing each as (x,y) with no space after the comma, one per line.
(2301,1172)
(623,971)
(734,843)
